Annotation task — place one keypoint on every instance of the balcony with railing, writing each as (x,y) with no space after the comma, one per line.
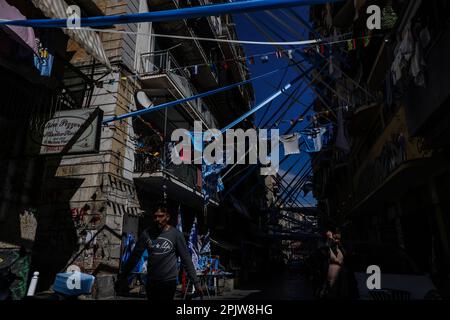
(153,170)
(149,165)
(160,70)
(192,51)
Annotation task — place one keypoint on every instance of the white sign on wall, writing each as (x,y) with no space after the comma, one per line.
(72,131)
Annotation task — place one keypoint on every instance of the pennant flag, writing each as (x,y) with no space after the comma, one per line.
(350,45)
(192,244)
(279,54)
(251,60)
(265,59)
(206,245)
(290,54)
(44,62)
(322,49)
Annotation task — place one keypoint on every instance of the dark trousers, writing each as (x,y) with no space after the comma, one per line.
(161,290)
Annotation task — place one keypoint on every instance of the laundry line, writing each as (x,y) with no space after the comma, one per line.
(324,41)
(305,44)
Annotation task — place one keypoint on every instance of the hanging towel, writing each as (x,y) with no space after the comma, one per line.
(290,143)
(313,139)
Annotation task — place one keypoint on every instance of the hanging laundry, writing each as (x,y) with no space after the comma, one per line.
(307,188)
(417,68)
(210,185)
(212,169)
(312,139)
(265,59)
(403,52)
(289,52)
(341,139)
(290,143)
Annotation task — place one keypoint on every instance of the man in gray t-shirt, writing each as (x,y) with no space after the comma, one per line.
(164,243)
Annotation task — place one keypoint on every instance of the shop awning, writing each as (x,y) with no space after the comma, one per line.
(88,40)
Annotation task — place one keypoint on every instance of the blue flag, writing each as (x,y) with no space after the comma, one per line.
(192,244)
(44,64)
(206,245)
